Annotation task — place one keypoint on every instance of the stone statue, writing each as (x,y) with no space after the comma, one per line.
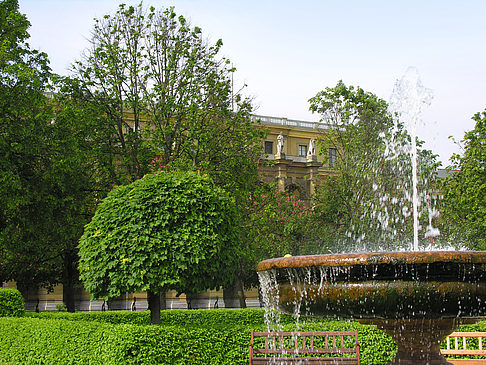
(311,151)
(280,144)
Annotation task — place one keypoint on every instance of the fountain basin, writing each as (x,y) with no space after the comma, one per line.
(442,284)
(418,298)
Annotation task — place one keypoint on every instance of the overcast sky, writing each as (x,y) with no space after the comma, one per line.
(286,51)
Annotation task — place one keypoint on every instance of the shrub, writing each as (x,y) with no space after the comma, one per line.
(205,336)
(197,318)
(48,341)
(185,337)
(11,303)
(113,317)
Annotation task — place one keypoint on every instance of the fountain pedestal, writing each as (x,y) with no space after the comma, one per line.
(418,340)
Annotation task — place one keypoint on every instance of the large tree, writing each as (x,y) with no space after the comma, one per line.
(45,167)
(465,190)
(365,201)
(168,101)
(24,118)
(165,231)
(167,95)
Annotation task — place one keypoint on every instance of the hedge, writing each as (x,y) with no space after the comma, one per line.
(197,318)
(48,341)
(11,303)
(219,341)
(195,337)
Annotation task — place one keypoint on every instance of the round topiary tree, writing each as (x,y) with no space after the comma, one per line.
(165,231)
(11,303)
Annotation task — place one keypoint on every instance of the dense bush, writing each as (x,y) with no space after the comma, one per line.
(113,317)
(185,337)
(49,341)
(196,318)
(11,303)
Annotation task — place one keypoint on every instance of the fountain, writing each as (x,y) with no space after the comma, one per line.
(416,297)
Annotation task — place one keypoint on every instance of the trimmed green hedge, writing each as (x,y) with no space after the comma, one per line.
(196,318)
(11,303)
(196,337)
(113,317)
(48,341)
(185,337)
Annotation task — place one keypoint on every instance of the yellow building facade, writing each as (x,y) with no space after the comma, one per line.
(293,157)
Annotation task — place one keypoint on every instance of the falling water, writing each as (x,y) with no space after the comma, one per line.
(407,101)
(269,293)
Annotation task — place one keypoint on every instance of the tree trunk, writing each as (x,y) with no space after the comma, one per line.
(23,289)
(191,300)
(230,296)
(68,297)
(240,292)
(234,295)
(163,300)
(69,278)
(154,306)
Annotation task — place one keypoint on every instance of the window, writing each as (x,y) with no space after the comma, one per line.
(332,157)
(268,147)
(302,150)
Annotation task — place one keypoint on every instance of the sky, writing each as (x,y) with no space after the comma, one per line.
(287,51)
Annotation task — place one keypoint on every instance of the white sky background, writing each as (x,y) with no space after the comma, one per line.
(286,51)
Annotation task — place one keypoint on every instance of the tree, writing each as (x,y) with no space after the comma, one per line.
(72,177)
(24,118)
(465,190)
(365,200)
(165,231)
(46,167)
(167,95)
(168,100)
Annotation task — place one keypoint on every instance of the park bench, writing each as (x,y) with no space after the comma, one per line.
(334,347)
(465,343)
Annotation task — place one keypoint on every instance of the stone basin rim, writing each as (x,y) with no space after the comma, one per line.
(374,258)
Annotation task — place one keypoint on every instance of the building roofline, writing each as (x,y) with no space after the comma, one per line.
(286,122)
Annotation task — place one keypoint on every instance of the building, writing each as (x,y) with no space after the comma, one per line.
(294,160)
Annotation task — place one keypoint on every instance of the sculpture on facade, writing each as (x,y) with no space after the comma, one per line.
(280,144)
(311,151)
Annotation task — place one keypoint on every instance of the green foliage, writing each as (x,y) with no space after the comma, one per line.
(27,253)
(222,335)
(165,231)
(195,318)
(167,95)
(214,337)
(113,317)
(278,218)
(31,341)
(61,307)
(465,189)
(357,204)
(46,169)
(11,303)
(167,101)
(275,223)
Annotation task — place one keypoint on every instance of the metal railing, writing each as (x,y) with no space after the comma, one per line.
(290,122)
